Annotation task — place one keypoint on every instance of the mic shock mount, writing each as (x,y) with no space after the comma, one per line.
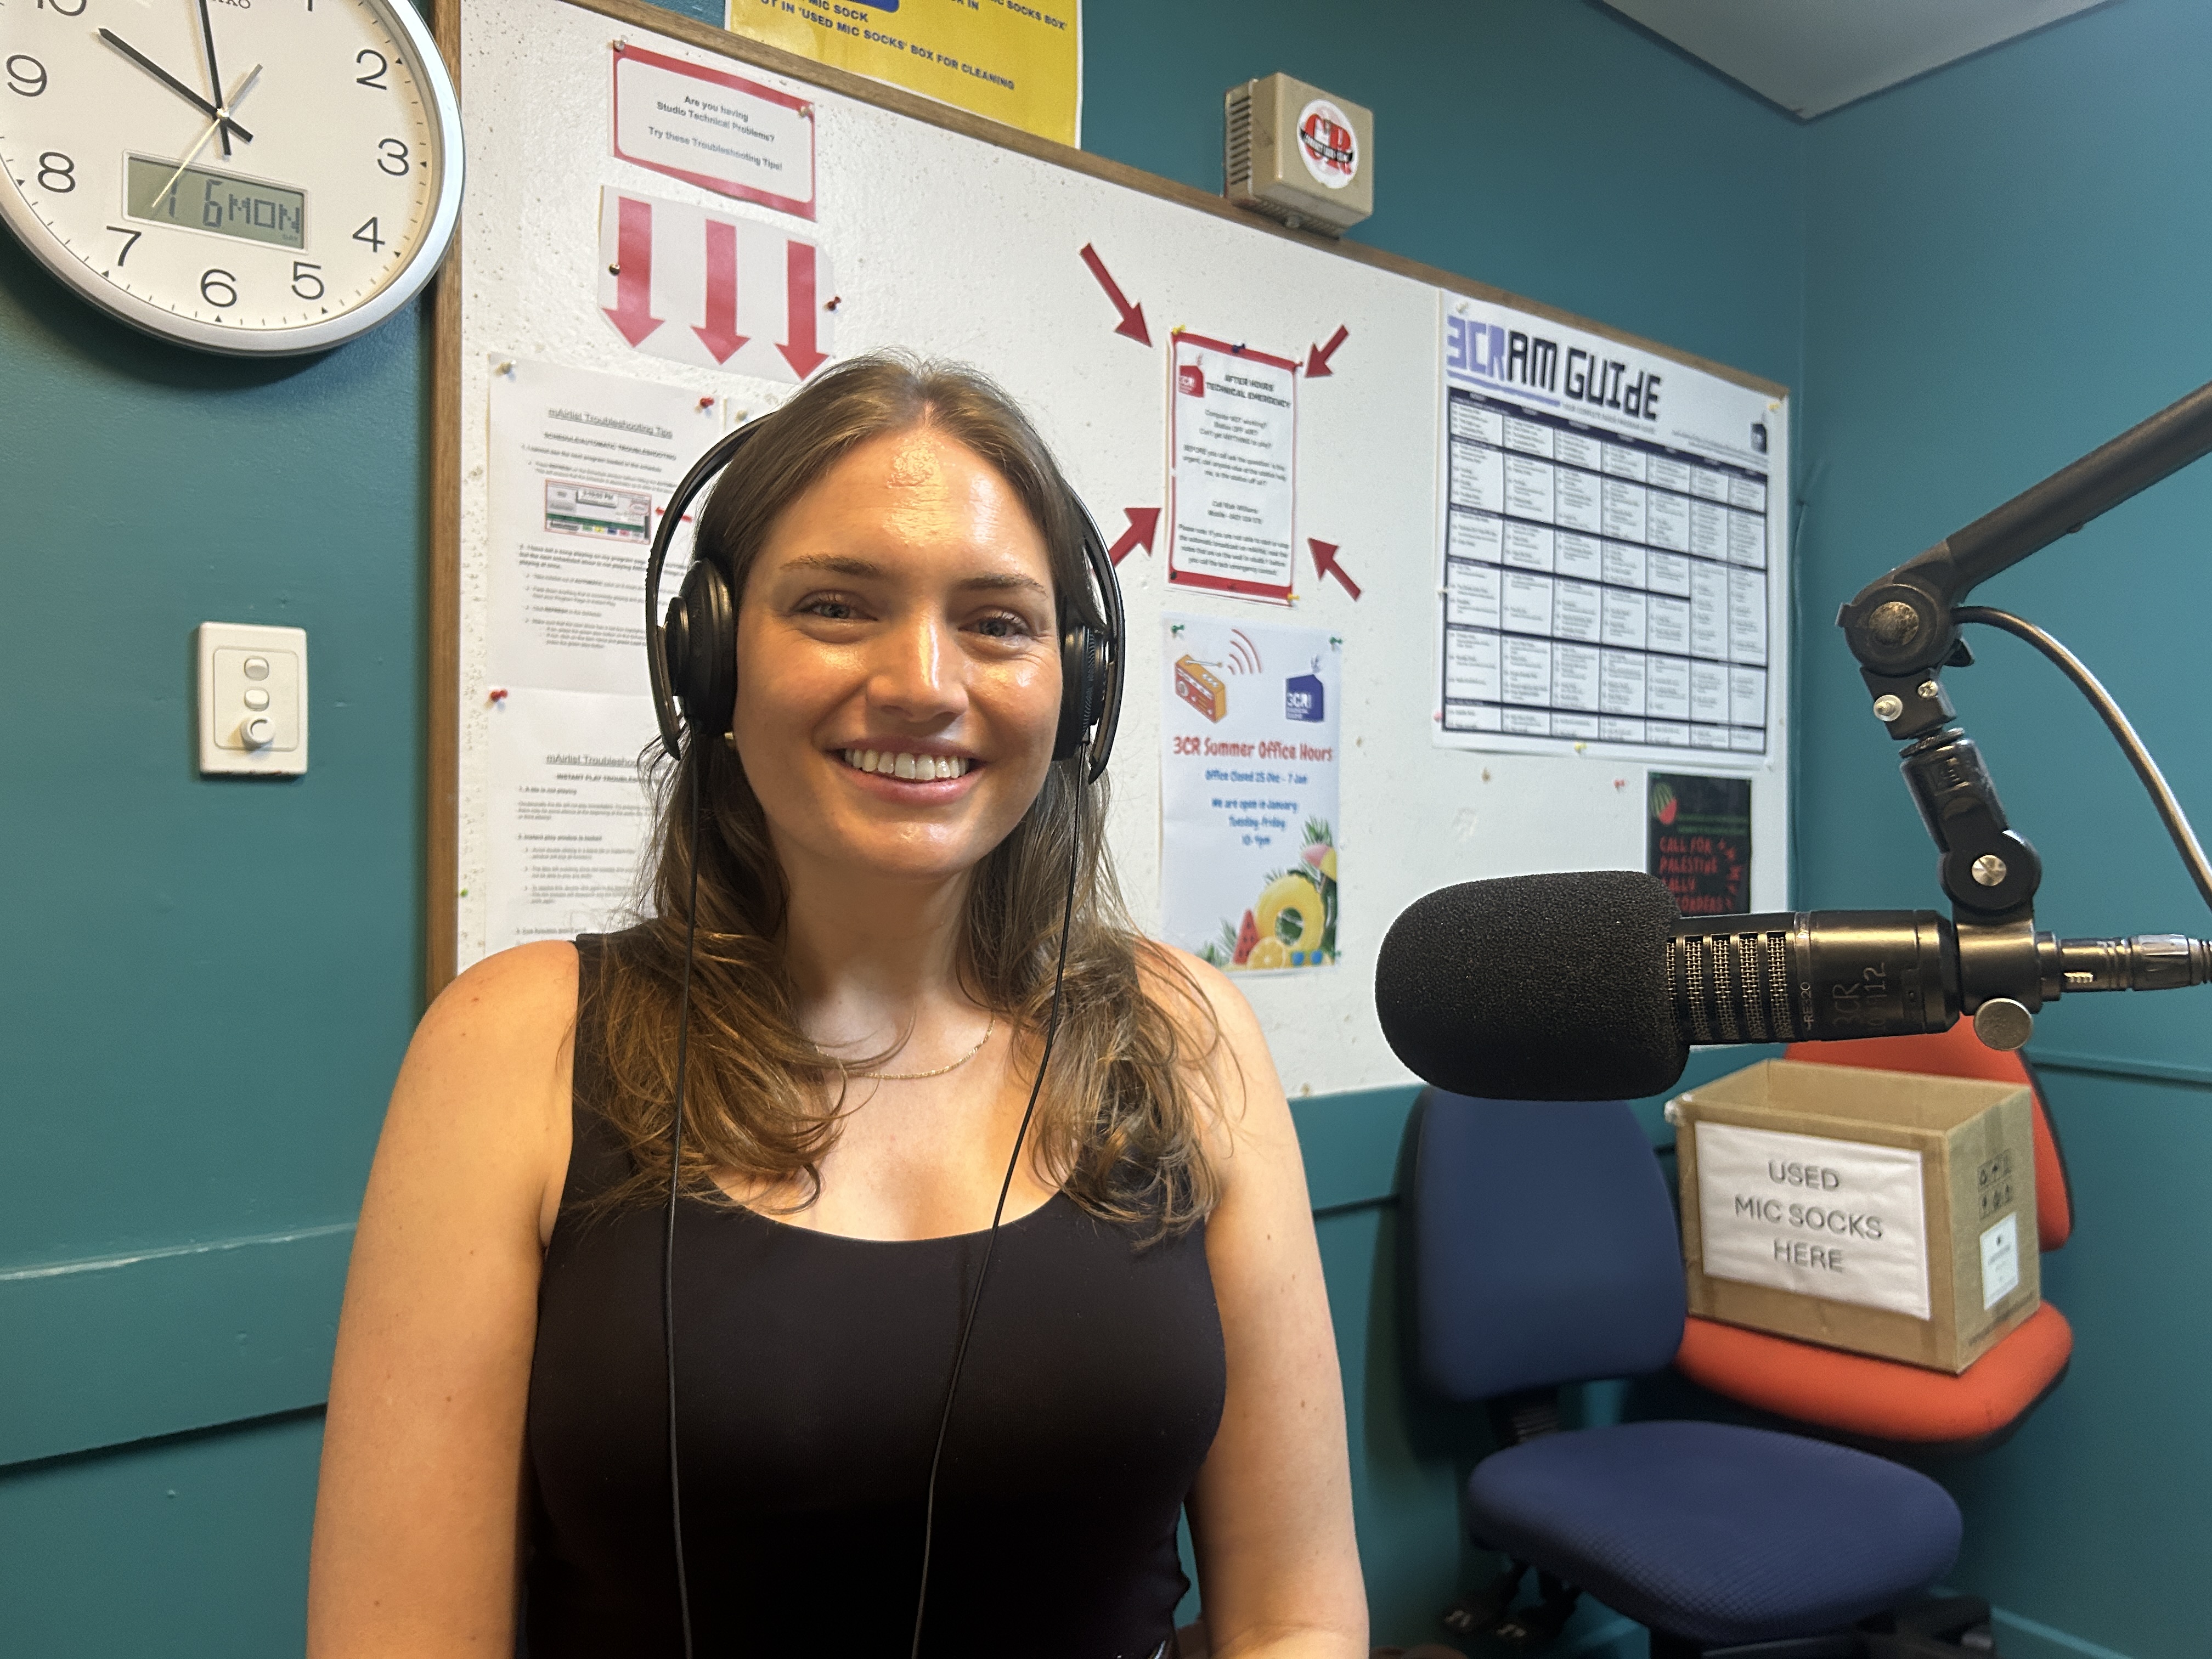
(1903,629)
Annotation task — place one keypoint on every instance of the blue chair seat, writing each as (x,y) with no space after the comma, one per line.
(1716,1532)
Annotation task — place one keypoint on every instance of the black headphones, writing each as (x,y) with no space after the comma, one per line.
(693,658)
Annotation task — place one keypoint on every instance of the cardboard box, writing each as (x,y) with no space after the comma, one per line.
(1887,1212)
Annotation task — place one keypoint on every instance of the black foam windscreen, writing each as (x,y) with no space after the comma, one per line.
(1535,987)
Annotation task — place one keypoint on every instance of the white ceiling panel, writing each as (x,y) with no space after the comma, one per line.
(1812,55)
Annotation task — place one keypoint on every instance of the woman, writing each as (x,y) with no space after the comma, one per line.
(883,856)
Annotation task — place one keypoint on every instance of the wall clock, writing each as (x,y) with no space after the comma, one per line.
(246,176)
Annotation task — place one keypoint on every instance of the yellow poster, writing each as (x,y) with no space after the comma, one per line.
(1016,61)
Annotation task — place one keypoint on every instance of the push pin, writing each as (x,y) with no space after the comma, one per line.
(705,404)
(498,695)
(833,303)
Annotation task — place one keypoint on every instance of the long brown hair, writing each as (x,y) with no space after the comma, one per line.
(1118,1121)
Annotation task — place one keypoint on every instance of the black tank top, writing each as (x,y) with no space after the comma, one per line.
(810,1370)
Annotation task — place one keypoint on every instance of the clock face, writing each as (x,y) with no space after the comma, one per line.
(242,175)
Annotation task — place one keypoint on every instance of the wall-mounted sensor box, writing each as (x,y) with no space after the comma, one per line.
(1296,155)
(253,699)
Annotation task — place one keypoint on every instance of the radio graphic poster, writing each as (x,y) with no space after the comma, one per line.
(1249,718)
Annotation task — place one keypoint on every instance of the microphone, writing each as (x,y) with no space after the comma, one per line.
(1591,985)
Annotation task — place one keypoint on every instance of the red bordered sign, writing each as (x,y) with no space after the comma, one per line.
(716,130)
(1233,484)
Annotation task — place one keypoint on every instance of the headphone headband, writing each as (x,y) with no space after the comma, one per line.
(1090,662)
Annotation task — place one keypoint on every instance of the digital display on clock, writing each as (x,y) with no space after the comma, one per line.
(204,199)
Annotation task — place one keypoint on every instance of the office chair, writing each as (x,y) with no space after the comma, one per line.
(1544,1253)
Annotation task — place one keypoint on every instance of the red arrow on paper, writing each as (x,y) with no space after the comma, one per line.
(1317,356)
(1326,565)
(1132,316)
(721,335)
(798,290)
(1144,522)
(632,310)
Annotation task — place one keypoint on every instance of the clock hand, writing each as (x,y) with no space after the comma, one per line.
(168,80)
(214,127)
(215,74)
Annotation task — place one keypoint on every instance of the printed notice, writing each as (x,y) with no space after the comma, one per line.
(2000,1260)
(1840,1219)
(569,814)
(1016,61)
(1234,434)
(714,130)
(1611,546)
(1247,792)
(580,467)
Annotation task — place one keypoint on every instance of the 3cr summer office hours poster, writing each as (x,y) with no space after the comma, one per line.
(1248,792)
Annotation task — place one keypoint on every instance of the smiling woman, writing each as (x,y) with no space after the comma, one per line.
(887,861)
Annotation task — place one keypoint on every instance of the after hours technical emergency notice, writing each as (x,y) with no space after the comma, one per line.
(1613,536)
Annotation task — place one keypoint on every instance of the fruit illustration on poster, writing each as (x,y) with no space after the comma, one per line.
(1292,921)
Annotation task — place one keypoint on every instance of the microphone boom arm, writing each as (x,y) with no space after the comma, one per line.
(1903,627)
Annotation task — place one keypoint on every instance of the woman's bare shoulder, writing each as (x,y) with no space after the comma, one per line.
(482,1096)
(510,997)
(497,1039)
(1226,1052)
(1196,995)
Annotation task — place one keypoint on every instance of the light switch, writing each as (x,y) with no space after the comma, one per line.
(253,699)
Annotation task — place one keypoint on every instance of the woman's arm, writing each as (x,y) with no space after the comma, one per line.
(1271,1518)
(418,1516)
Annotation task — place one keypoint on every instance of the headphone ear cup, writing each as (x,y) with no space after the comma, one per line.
(701,639)
(1084,669)
(1081,691)
(1099,657)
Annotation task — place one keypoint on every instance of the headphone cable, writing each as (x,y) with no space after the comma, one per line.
(991,1238)
(668,1240)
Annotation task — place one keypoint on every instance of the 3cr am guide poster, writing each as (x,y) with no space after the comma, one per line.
(1248,792)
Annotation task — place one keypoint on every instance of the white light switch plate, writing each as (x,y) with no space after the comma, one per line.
(253,699)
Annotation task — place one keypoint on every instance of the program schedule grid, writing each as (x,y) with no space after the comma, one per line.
(1608,575)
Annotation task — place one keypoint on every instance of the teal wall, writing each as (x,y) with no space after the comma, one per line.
(1971,279)
(207,985)
(2004,267)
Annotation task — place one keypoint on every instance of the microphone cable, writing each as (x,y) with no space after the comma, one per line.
(668,1239)
(2116,721)
(990,1238)
(1080,773)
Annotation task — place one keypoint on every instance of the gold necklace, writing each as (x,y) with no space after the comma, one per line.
(991,1025)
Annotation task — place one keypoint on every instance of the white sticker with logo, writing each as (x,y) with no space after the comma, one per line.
(1326,141)
(1839,1219)
(2000,1260)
